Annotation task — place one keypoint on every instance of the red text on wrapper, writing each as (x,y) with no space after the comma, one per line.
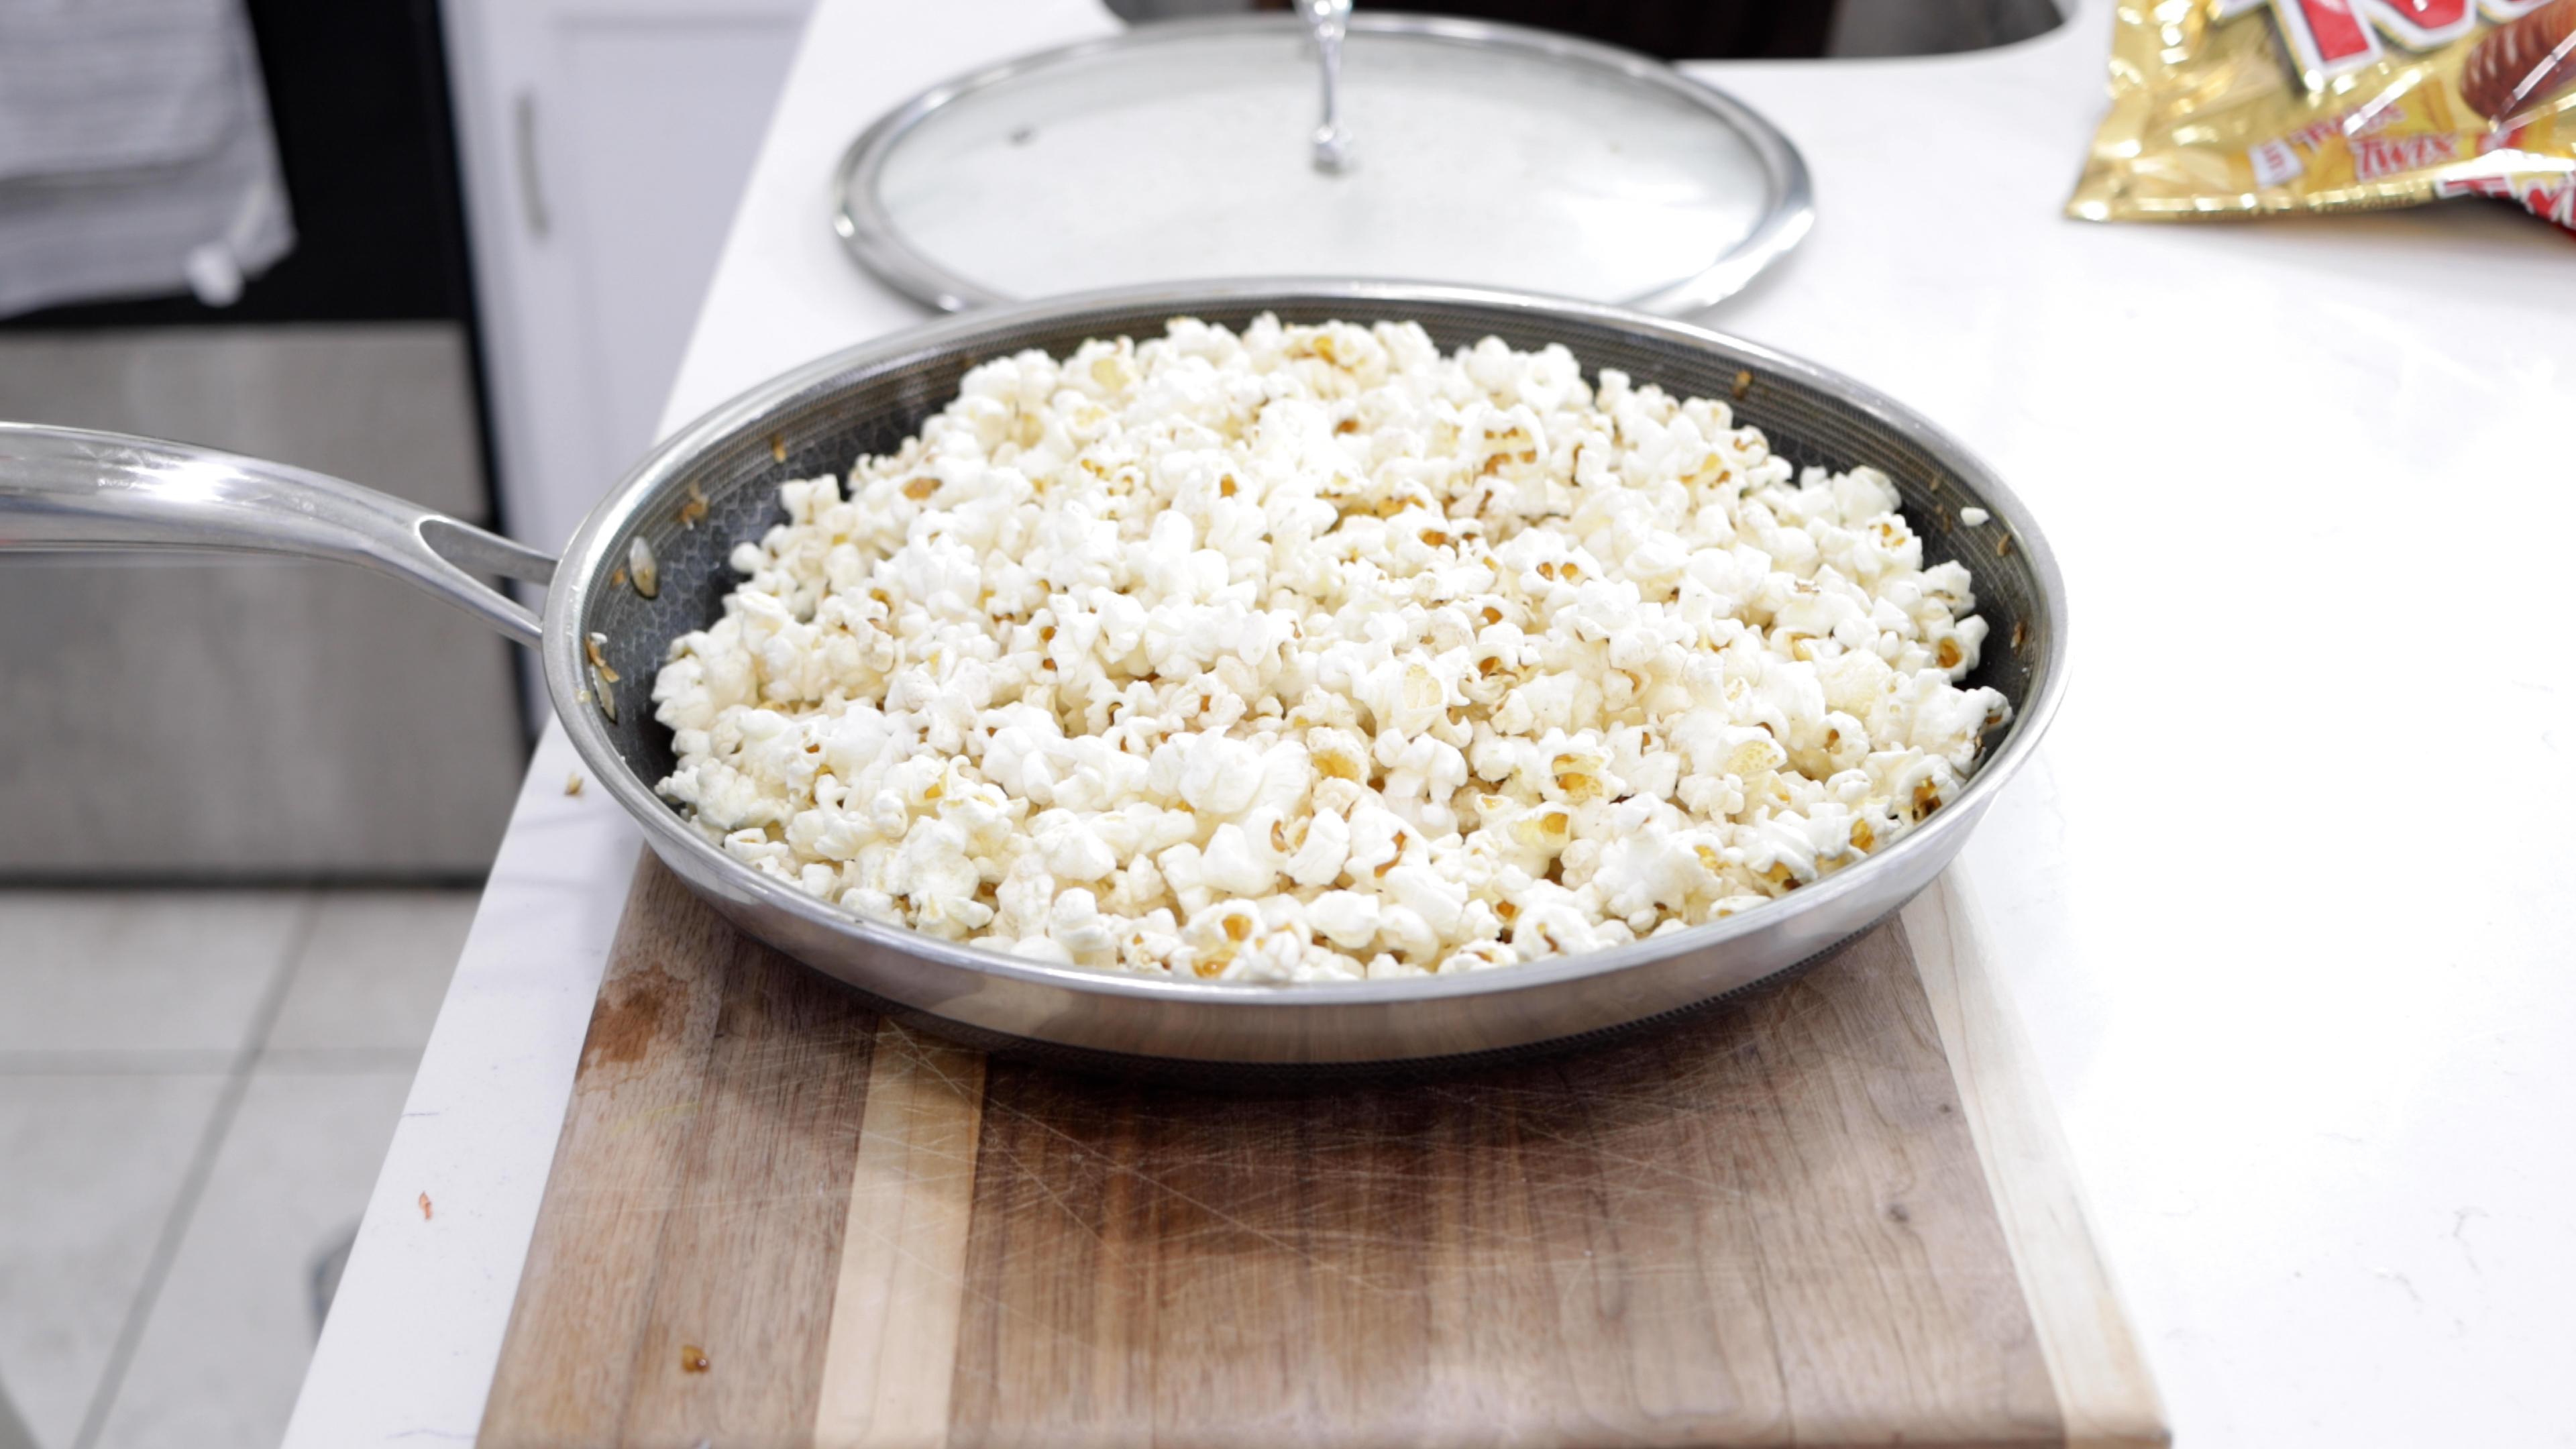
(2375,156)
(2328,38)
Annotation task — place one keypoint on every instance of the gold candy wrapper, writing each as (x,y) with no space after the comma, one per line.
(2250,107)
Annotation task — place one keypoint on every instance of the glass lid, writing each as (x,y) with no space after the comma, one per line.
(1478,153)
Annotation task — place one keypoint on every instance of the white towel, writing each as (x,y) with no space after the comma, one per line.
(135,152)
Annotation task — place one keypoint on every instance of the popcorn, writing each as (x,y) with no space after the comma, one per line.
(1306,653)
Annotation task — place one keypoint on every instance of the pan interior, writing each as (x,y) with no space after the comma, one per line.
(872,406)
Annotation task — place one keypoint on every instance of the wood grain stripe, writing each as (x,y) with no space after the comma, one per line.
(733,1352)
(901,1284)
(2101,1380)
(1767,1226)
(1888,1288)
(679,1282)
(568,1360)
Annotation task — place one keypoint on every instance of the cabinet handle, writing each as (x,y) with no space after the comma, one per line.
(532,195)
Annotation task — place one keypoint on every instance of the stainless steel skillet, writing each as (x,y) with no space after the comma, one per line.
(713,484)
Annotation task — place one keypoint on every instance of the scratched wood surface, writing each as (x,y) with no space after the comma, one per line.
(1831,1213)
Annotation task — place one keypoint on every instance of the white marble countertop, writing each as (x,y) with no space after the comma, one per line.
(2284,902)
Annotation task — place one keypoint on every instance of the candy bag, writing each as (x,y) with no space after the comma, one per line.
(2250,107)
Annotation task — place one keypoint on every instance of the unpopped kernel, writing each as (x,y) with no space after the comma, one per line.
(1311,653)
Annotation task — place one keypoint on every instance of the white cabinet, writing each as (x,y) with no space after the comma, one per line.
(604,145)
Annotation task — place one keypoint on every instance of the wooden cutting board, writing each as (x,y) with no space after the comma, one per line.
(1834,1211)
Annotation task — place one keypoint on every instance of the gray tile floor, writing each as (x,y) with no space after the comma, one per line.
(196,1089)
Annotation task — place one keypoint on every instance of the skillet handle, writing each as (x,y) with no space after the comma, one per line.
(72,489)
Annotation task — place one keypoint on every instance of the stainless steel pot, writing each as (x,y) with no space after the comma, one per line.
(714,484)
